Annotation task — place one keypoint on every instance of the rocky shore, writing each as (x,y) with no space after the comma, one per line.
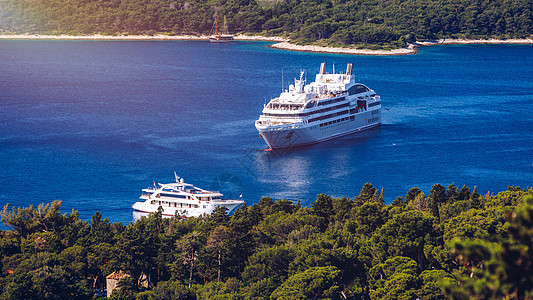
(337,50)
(401,51)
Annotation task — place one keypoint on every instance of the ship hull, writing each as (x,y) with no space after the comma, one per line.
(218,40)
(185,211)
(315,133)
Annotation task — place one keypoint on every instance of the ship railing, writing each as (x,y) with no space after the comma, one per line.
(280,108)
(282,117)
(285,126)
(331,95)
(227,201)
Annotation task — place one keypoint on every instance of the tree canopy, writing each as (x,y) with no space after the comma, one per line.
(333,22)
(338,248)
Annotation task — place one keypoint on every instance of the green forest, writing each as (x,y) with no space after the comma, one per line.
(390,23)
(451,243)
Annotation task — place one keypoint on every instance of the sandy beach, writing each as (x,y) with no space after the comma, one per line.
(281,43)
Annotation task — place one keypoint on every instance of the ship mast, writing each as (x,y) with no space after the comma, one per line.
(225,27)
(216,24)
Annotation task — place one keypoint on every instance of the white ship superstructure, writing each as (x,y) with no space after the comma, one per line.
(182,199)
(333,105)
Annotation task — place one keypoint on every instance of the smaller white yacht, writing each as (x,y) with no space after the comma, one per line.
(182,199)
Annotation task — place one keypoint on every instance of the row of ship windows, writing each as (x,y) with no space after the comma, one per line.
(181,197)
(165,203)
(172,196)
(326,102)
(356,89)
(340,113)
(374,104)
(352,118)
(372,120)
(297,106)
(309,104)
(309,113)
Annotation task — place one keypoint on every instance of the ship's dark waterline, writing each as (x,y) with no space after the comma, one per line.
(93,122)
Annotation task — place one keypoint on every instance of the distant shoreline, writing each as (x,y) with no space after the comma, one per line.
(155,37)
(282,43)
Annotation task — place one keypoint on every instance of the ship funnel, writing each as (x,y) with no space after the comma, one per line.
(323,68)
(349,69)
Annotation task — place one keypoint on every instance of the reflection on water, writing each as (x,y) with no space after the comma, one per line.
(303,172)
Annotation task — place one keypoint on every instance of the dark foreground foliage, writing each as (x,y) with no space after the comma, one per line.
(452,243)
(392,23)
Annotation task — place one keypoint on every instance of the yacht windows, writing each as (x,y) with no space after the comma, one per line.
(374,104)
(173,196)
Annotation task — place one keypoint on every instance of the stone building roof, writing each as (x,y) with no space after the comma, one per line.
(117,275)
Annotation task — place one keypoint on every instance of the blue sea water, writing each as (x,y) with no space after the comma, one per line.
(93,122)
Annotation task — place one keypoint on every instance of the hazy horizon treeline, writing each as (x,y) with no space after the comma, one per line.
(452,242)
(335,22)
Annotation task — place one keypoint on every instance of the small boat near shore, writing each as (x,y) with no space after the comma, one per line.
(182,199)
(224,37)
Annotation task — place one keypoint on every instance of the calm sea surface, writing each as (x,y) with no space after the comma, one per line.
(94,122)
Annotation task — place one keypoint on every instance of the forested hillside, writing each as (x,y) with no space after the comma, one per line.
(451,242)
(386,22)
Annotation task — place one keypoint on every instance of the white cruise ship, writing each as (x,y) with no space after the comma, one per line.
(332,106)
(182,199)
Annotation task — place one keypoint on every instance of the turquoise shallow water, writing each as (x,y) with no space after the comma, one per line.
(94,122)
